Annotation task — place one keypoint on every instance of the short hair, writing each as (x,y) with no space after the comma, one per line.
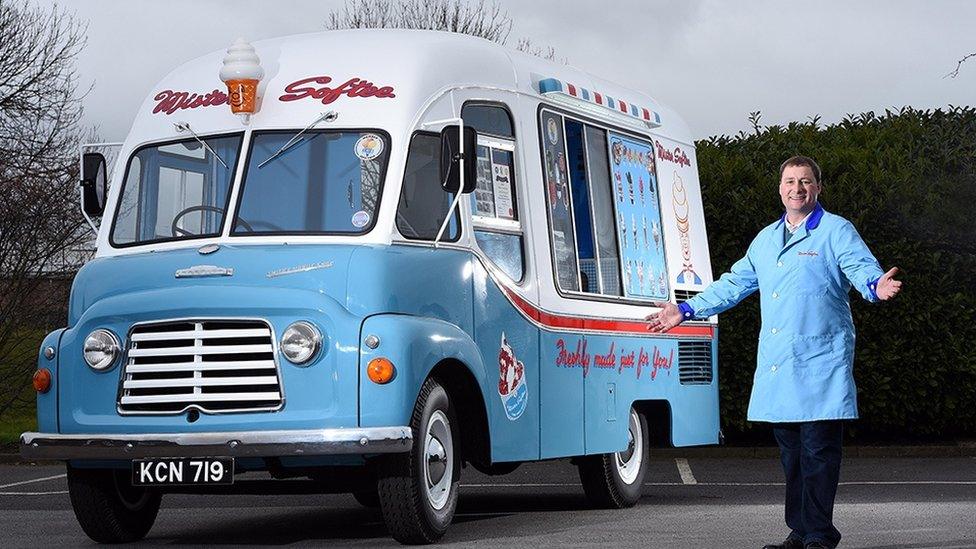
(799,160)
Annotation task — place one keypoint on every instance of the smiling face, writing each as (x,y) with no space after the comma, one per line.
(799,189)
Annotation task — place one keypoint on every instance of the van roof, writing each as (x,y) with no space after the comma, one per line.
(417,65)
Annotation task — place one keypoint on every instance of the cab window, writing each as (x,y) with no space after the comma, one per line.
(176,191)
(494,203)
(423,202)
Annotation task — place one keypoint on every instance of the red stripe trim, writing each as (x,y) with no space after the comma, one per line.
(599,98)
(572,89)
(578,323)
(647,114)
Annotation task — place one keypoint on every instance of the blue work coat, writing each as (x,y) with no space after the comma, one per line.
(806,346)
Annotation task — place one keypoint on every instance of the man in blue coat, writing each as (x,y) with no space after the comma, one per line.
(804,266)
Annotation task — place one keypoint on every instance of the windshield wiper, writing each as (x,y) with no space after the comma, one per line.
(327,116)
(185,127)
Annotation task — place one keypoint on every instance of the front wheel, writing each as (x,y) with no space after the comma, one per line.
(614,480)
(418,490)
(108,507)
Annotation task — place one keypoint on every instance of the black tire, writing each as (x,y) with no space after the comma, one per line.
(108,507)
(368,498)
(614,481)
(414,511)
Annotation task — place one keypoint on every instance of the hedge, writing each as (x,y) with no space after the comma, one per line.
(907,180)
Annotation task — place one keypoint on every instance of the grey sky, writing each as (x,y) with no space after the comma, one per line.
(713,61)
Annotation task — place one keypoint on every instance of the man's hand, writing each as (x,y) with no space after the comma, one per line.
(668,317)
(888,287)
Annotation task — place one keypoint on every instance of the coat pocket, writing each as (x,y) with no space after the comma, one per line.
(822,352)
(811,276)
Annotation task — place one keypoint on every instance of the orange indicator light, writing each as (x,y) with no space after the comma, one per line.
(42,380)
(380,370)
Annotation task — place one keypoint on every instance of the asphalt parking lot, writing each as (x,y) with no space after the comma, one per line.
(688,502)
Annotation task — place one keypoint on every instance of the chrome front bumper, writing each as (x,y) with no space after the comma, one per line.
(310,442)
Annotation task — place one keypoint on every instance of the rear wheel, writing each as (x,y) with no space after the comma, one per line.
(108,507)
(614,480)
(418,490)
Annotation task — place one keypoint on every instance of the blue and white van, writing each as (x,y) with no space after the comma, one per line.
(347,286)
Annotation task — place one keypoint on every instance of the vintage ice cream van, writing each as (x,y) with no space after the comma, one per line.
(371,259)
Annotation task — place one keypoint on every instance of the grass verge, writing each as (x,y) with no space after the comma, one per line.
(15,422)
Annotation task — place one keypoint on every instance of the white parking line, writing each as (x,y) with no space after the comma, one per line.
(12,484)
(33,493)
(684,470)
(849,483)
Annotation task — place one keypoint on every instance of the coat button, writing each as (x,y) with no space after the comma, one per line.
(774,330)
(775,295)
(773,368)
(780,264)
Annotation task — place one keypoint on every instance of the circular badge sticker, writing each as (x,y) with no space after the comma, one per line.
(360,219)
(552,130)
(369,146)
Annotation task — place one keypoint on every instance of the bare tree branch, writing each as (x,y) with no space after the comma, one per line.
(484,19)
(955,73)
(42,235)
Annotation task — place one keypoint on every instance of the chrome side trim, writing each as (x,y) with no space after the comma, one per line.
(204,270)
(306,442)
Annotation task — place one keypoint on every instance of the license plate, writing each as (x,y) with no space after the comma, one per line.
(182,471)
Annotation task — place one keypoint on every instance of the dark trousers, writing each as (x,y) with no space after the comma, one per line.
(811,452)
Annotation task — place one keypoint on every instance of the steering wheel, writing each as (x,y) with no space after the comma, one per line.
(177,231)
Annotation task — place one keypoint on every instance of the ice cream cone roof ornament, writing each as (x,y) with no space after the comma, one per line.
(242,72)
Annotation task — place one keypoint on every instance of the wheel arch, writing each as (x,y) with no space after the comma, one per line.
(658,415)
(467,397)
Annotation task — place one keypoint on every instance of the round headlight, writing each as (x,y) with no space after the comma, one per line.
(101,348)
(300,342)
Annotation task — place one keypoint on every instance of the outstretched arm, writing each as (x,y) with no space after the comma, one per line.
(861,268)
(724,293)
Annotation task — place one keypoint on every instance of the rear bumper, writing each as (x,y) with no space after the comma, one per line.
(311,442)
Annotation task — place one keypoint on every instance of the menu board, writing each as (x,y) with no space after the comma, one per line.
(484,202)
(493,196)
(638,211)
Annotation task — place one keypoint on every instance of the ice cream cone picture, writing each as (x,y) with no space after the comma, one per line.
(242,72)
(679,202)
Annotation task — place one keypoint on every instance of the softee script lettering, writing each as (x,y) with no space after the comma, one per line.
(575,355)
(677,155)
(315,87)
(354,87)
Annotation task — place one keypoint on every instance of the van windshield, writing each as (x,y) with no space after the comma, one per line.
(177,190)
(326,182)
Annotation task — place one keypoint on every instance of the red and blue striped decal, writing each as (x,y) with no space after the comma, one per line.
(564,322)
(553,85)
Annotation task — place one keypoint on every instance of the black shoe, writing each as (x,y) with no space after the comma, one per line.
(815,545)
(789,543)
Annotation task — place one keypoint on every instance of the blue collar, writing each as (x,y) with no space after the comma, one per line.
(812,222)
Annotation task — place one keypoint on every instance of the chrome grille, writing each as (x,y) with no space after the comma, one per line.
(213,365)
(695,362)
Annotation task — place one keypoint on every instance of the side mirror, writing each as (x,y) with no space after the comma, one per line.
(93,184)
(451,175)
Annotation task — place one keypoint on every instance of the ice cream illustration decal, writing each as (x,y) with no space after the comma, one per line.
(679,202)
(242,72)
(511,381)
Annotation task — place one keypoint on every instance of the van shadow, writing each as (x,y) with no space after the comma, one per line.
(477,518)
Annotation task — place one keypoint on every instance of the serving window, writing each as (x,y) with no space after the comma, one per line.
(604,210)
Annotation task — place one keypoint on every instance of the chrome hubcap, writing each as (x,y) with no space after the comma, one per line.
(438,460)
(629,461)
